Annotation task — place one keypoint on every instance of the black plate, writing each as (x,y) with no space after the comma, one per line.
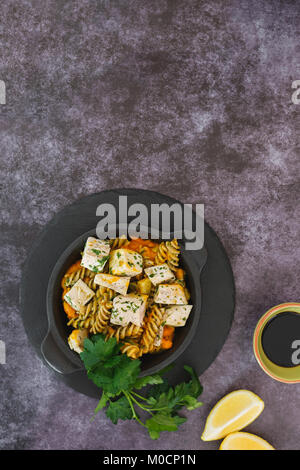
(217,284)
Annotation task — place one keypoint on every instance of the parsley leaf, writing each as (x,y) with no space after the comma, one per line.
(106,367)
(126,373)
(97,351)
(195,386)
(148,380)
(184,394)
(102,402)
(163,422)
(119,409)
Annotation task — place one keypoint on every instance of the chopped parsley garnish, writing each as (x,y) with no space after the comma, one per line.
(68,299)
(103,260)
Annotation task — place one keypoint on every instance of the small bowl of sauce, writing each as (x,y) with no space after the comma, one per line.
(276,342)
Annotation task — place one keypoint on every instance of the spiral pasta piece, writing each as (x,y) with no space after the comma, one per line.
(131,349)
(69,279)
(90,309)
(117,243)
(162,254)
(86,315)
(90,281)
(152,325)
(123,332)
(173,252)
(150,300)
(79,323)
(105,293)
(100,321)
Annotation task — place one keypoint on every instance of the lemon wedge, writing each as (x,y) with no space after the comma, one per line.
(244,441)
(232,413)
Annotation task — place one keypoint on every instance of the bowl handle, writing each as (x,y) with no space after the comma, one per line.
(201,259)
(55,358)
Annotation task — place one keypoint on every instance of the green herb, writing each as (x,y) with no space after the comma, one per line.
(68,299)
(103,260)
(118,377)
(93,268)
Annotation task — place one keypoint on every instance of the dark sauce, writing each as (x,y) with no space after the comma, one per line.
(278,336)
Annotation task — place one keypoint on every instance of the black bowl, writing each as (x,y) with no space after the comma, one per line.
(55,348)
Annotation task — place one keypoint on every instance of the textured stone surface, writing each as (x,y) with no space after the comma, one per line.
(192,99)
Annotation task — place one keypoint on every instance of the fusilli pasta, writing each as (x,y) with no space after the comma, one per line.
(101,320)
(162,254)
(117,243)
(70,279)
(152,325)
(136,337)
(123,332)
(131,349)
(173,252)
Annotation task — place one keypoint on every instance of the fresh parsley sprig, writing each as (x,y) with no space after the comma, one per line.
(118,377)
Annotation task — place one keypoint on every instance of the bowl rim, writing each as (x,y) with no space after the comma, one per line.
(263,361)
(63,346)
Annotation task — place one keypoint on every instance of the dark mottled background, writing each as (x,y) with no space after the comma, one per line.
(190,98)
